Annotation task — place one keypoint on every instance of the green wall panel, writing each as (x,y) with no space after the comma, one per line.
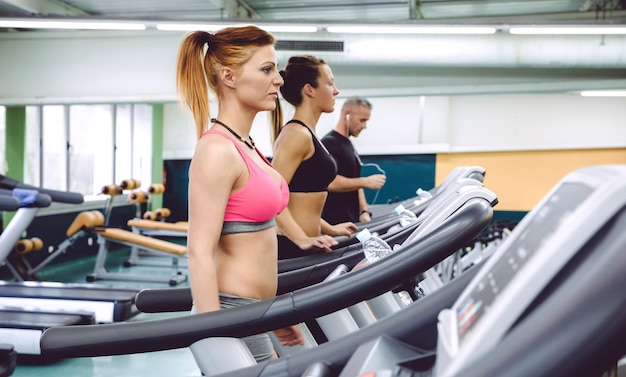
(175,196)
(405,174)
(157,152)
(15,145)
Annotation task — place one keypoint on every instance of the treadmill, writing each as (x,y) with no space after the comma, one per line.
(464,171)
(381,224)
(548,302)
(440,208)
(8,358)
(29,308)
(8,202)
(385,217)
(287,309)
(8,355)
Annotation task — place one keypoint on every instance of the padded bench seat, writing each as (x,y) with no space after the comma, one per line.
(180,226)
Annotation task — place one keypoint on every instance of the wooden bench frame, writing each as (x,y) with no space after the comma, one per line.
(154,228)
(91,221)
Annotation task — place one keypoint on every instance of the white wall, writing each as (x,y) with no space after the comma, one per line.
(97,66)
(454,124)
(62,67)
(542,121)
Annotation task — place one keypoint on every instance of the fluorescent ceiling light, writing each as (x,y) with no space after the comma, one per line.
(289,28)
(215,27)
(374,29)
(190,27)
(581,30)
(603,93)
(71,25)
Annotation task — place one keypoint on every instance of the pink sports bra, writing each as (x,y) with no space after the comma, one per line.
(259,201)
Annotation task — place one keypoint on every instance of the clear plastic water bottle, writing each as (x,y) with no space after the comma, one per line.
(406,217)
(422,196)
(373,247)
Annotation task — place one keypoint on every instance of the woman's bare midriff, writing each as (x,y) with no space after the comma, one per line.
(306,210)
(247,264)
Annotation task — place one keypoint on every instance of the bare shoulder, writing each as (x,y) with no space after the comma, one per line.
(294,139)
(216,154)
(295,131)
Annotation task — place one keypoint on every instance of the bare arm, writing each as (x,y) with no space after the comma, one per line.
(345,184)
(209,188)
(342,229)
(363,206)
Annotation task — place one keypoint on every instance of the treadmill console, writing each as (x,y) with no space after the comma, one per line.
(474,303)
(541,244)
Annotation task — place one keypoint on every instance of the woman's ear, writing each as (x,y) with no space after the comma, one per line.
(227,77)
(308,90)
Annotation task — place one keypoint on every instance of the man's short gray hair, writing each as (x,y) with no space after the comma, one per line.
(356,101)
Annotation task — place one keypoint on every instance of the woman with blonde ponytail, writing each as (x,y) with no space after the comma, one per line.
(234,192)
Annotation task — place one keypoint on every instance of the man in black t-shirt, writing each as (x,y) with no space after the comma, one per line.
(346,198)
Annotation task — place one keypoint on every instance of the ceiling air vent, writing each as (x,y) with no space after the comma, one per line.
(336,46)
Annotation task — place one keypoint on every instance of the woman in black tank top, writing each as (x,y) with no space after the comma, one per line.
(303,160)
(316,173)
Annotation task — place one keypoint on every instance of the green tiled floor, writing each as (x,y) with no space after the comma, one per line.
(169,363)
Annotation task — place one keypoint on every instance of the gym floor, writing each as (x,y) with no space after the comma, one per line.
(169,363)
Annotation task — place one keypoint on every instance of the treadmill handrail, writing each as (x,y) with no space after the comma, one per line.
(8,202)
(284,310)
(418,327)
(40,201)
(423,211)
(56,195)
(153,300)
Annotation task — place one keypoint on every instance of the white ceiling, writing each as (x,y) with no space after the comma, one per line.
(507,62)
(457,11)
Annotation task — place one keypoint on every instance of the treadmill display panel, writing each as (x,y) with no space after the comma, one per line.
(545,221)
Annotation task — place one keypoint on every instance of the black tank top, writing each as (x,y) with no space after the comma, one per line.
(315,173)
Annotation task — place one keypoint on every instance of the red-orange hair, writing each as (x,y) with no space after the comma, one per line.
(200,58)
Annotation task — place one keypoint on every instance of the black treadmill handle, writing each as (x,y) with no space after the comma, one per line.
(164,300)
(40,201)
(153,300)
(154,335)
(9,203)
(55,195)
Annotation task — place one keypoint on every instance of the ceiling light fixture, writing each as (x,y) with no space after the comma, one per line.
(289,28)
(417,29)
(215,27)
(569,30)
(603,93)
(189,27)
(71,25)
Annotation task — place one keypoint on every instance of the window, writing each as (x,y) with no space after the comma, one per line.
(142,142)
(54,147)
(123,142)
(90,148)
(34,156)
(81,148)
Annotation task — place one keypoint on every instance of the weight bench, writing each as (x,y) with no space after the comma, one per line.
(177,229)
(91,222)
(157,229)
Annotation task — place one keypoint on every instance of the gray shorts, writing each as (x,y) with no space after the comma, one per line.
(260,345)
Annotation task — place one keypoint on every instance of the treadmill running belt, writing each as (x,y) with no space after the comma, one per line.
(118,304)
